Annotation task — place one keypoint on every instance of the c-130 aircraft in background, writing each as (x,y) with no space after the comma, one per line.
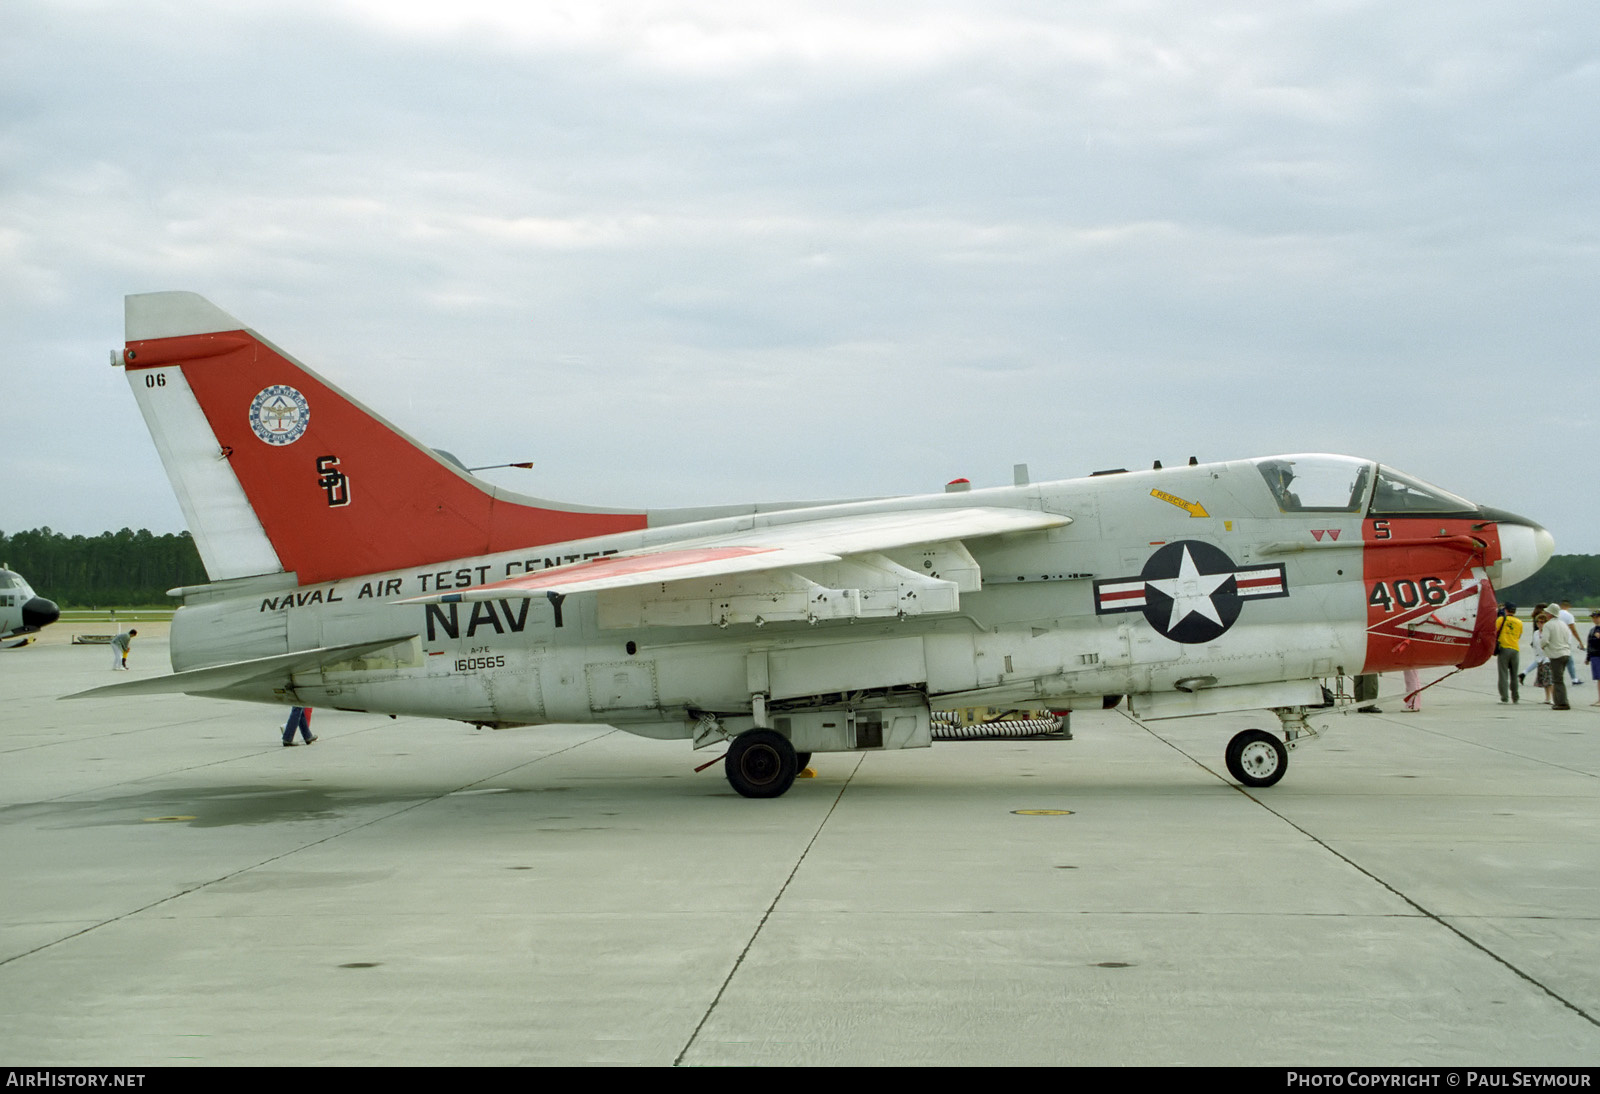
(352,567)
(23,613)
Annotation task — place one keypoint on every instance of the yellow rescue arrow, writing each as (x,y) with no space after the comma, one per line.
(1193,508)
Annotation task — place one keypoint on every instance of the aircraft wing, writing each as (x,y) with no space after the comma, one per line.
(908,562)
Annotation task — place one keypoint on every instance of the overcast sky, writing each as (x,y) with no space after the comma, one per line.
(682,253)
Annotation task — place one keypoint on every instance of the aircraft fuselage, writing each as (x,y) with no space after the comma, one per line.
(1190,589)
(22,611)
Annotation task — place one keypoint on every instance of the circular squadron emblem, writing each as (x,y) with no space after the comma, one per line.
(280,414)
(1190,591)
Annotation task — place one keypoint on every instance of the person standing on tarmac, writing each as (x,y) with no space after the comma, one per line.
(299,718)
(1558,647)
(1592,653)
(1508,652)
(1540,666)
(1564,611)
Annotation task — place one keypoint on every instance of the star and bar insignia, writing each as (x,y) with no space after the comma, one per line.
(1190,591)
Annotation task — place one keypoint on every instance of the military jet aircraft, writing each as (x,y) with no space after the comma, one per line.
(23,612)
(352,567)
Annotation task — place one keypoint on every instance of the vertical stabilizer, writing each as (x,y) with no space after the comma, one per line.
(230,538)
(276,469)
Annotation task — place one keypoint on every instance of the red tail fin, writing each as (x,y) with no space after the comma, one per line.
(334,489)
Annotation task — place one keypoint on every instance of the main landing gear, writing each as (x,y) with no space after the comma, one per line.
(762,763)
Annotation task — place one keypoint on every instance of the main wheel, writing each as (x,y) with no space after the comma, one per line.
(1257,758)
(761,763)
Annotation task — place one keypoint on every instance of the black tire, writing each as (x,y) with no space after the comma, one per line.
(761,764)
(1109,701)
(1257,758)
(802,760)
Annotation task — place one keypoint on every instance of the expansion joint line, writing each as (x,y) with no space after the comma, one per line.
(1429,914)
(197,886)
(738,961)
(1356,866)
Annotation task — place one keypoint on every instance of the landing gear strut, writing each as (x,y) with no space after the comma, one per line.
(761,763)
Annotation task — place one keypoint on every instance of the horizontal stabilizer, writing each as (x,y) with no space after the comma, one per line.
(219,678)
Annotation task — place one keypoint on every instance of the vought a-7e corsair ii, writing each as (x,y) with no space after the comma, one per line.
(352,567)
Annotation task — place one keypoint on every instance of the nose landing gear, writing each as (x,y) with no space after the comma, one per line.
(1256,758)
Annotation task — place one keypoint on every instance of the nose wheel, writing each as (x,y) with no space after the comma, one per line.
(1256,758)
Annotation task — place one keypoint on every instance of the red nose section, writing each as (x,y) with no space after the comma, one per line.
(1429,601)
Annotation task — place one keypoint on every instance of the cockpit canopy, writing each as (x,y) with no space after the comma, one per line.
(1317,483)
(1401,495)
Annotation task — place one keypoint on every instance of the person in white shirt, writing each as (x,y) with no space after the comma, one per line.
(1538,664)
(1558,646)
(1566,616)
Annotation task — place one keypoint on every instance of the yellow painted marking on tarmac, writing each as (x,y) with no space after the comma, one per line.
(1042,812)
(1193,508)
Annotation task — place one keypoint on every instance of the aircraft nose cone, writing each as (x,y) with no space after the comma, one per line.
(39,612)
(1546,545)
(1524,548)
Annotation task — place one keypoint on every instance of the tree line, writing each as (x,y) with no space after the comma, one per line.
(135,569)
(1564,577)
(113,569)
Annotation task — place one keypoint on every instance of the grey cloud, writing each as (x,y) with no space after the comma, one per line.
(705,252)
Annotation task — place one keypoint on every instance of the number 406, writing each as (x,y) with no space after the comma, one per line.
(1403,592)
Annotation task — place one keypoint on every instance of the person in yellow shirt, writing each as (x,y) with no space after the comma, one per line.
(1508,652)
